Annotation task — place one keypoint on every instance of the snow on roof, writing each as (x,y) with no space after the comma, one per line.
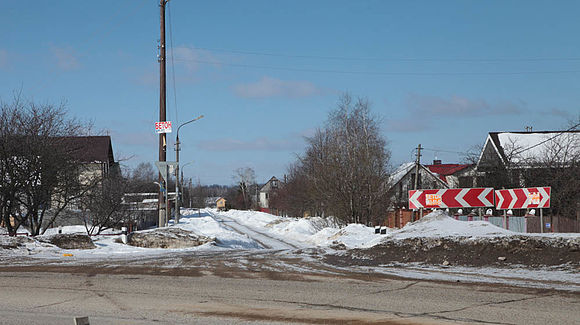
(400,172)
(525,146)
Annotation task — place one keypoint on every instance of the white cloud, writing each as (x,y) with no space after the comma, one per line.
(191,58)
(64,57)
(270,87)
(433,107)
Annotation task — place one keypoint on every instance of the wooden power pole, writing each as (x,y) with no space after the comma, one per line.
(162,115)
(417,163)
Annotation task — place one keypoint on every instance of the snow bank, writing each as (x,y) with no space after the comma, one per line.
(311,231)
(439,224)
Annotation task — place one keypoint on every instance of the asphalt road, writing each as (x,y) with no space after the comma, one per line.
(127,296)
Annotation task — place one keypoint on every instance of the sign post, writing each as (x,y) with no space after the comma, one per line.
(524,198)
(165,168)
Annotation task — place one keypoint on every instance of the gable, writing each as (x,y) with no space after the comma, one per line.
(522,148)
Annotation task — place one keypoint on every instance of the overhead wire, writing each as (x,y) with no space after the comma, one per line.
(549,139)
(559,133)
(304,56)
(381,73)
(172,63)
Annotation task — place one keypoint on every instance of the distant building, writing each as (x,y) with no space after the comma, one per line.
(403,179)
(435,176)
(216,202)
(266,192)
(221,204)
(525,149)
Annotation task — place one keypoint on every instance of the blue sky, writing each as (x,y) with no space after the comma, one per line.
(266,73)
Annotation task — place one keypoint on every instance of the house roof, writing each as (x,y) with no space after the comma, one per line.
(405,169)
(519,147)
(90,149)
(444,170)
(400,172)
(266,187)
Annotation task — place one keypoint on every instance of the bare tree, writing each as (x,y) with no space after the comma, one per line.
(558,166)
(344,168)
(103,206)
(245,177)
(199,195)
(41,171)
(142,179)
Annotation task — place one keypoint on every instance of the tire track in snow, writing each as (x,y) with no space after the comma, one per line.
(263,239)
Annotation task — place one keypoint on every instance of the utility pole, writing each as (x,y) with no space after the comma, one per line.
(417,163)
(163,204)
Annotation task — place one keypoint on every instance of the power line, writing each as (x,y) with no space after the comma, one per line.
(559,133)
(549,139)
(172,63)
(303,56)
(383,73)
(446,151)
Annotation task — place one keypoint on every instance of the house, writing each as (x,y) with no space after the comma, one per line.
(403,179)
(526,149)
(221,204)
(94,151)
(531,159)
(434,176)
(266,191)
(455,175)
(216,202)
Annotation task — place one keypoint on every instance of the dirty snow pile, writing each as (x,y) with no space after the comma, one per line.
(439,224)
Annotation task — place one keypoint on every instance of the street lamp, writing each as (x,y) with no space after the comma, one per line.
(182,168)
(177,212)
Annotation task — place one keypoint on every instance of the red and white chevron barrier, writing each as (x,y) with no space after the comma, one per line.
(451,198)
(523,198)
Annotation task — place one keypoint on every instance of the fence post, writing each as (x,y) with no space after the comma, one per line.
(124,235)
(541,221)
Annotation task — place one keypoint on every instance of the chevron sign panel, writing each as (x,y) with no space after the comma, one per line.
(451,198)
(523,198)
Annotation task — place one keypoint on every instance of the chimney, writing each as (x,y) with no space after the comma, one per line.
(437,162)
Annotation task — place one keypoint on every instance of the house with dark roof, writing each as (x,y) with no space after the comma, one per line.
(95,152)
(525,149)
(536,158)
(272,185)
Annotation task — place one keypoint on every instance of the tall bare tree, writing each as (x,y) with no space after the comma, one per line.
(345,165)
(245,178)
(41,173)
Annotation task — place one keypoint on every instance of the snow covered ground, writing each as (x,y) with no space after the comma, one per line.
(261,232)
(236,229)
